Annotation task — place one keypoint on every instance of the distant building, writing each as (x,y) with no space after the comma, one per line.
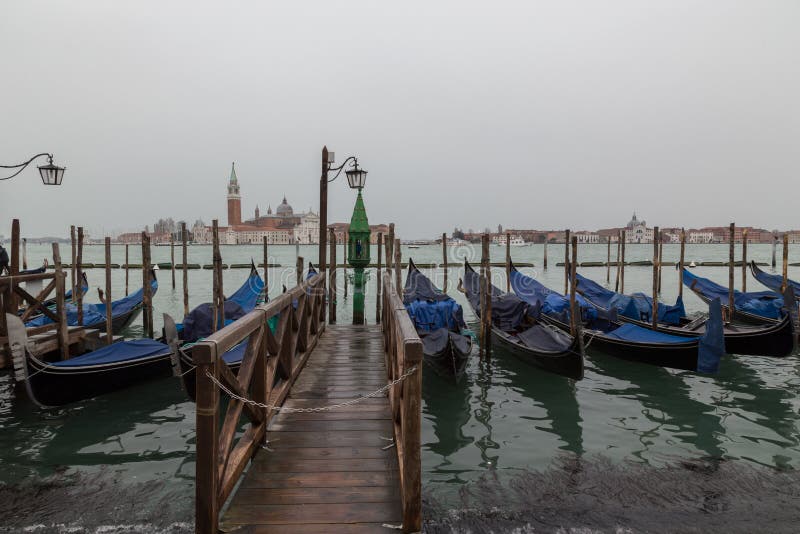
(636,231)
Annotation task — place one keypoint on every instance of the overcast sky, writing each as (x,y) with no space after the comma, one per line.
(531,114)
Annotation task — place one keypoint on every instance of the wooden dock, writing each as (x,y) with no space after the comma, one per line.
(328,471)
(353,468)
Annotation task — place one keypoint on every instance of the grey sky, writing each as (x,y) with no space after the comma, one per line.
(529,114)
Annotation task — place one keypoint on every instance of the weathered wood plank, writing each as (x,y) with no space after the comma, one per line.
(289,464)
(378,425)
(338,479)
(281,514)
(318,495)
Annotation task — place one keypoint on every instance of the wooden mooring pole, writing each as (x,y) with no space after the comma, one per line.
(109,323)
(346,253)
(185,270)
(299,270)
(390,248)
(660,258)
(508,262)
(574,312)
(216,258)
(486,299)
(619,248)
(566,261)
(622,264)
(61,308)
(332,278)
(24,254)
(79,274)
(172,257)
(744,260)
(127,266)
(378,299)
(444,262)
(608,261)
(147,301)
(774,246)
(731,262)
(656,270)
(76,286)
(398,267)
(681,263)
(544,259)
(785,261)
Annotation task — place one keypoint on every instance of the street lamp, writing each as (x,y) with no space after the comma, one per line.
(51,174)
(356,178)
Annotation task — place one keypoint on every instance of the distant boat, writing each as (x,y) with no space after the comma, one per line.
(692,265)
(516,241)
(413,246)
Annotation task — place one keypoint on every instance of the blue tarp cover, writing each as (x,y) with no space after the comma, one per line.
(247,295)
(773,281)
(766,304)
(552,302)
(236,354)
(508,310)
(637,306)
(95,314)
(118,352)
(632,332)
(428,307)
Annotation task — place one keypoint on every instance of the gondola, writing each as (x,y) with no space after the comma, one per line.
(628,341)
(439,321)
(772,339)
(108,369)
(754,307)
(198,324)
(521,334)
(123,312)
(774,281)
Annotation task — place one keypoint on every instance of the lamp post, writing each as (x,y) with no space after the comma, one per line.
(356,178)
(51,174)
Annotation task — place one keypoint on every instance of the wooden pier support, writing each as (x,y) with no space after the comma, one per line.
(332,277)
(147,287)
(79,274)
(744,260)
(185,270)
(444,262)
(731,262)
(379,280)
(107,296)
(656,271)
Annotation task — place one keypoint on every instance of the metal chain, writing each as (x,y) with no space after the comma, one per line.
(272,407)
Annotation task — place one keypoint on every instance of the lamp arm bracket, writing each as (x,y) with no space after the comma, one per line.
(341,167)
(22,166)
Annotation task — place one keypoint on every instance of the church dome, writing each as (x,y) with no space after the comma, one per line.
(635,221)
(284,209)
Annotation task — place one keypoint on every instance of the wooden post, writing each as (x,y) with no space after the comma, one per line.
(785,261)
(185,270)
(730,271)
(24,253)
(744,260)
(390,247)
(127,260)
(74,283)
(378,284)
(486,316)
(12,302)
(109,327)
(660,257)
(218,301)
(323,223)
(544,260)
(566,261)
(172,257)
(482,302)
(207,428)
(61,309)
(680,266)
(656,269)
(574,312)
(299,269)
(608,261)
(412,438)
(774,246)
(332,278)
(79,274)
(619,246)
(508,262)
(398,268)
(147,301)
(266,269)
(622,264)
(444,261)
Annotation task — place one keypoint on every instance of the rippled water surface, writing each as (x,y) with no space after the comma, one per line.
(505,418)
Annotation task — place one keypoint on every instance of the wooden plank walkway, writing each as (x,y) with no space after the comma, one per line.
(328,471)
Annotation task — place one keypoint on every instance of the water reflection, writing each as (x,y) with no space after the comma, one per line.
(448,410)
(667,406)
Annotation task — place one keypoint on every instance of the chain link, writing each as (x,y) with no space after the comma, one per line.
(272,407)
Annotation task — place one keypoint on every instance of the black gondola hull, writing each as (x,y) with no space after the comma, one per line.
(568,363)
(449,362)
(50,386)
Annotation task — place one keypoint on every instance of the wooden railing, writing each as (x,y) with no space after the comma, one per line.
(270,365)
(403,352)
(11,292)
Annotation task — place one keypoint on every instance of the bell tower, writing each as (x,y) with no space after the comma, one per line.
(234,199)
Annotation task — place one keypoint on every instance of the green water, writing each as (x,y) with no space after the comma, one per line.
(504,415)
